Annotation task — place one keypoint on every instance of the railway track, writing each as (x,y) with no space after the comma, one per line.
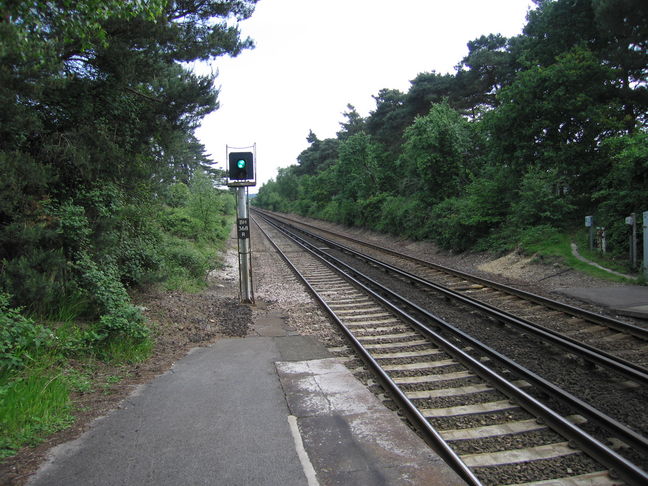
(483,421)
(623,338)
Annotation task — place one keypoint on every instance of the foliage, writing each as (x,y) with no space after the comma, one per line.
(97,113)
(204,203)
(401,216)
(623,190)
(552,116)
(32,405)
(532,131)
(542,200)
(438,150)
(20,337)
(105,187)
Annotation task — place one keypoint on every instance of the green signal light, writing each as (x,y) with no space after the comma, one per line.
(240,164)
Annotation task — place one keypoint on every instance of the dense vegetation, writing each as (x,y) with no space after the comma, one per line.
(528,136)
(104,186)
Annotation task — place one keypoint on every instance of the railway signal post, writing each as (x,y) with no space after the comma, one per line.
(241,175)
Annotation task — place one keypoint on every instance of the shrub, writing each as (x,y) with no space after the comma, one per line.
(188,258)
(369,210)
(117,315)
(39,279)
(179,222)
(177,195)
(541,200)
(401,216)
(19,336)
(186,263)
(449,227)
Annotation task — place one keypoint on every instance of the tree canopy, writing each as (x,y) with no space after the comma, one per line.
(529,131)
(98,107)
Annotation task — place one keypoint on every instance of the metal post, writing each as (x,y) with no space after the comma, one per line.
(633,248)
(589,223)
(645,244)
(245,260)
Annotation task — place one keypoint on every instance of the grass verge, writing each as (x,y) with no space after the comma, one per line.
(44,365)
(550,243)
(36,401)
(33,404)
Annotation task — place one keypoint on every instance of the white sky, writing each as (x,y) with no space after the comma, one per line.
(313,57)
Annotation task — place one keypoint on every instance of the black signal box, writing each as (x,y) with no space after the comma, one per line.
(241,169)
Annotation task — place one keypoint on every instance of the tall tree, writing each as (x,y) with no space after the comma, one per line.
(352,125)
(555,117)
(320,155)
(488,67)
(387,122)
(428,89)
(97,107)
(615,31)
(437,152)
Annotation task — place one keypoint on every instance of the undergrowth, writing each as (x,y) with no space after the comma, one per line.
(549,242)
(47,355)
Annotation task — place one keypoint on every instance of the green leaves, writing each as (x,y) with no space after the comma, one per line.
(437,150)
(20,337)
(522,135)
(97,113)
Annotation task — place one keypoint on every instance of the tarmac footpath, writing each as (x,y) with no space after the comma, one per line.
(267,410)
(628,300)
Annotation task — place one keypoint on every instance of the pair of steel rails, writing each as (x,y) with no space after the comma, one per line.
(415,316)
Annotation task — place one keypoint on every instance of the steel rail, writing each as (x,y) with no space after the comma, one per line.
(423,426)
(591,353)
(597,450)
(632,329)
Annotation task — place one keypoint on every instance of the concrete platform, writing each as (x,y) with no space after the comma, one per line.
(249,411)
(350,436)
(627,300)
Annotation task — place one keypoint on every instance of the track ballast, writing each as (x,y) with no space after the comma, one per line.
(484,415)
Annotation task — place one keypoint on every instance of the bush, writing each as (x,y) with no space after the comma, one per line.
(401,216)
(179,222)
(541,200)
(177,195)
(330,211)
(117,315)
(369,211)
(623,191)
(449,225)
(39,279)
(190,259)
(186,263)
(20,338)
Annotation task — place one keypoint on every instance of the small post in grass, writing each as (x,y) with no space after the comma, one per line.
(589,223)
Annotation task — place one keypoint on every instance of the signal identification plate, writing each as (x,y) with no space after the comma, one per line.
(243,228)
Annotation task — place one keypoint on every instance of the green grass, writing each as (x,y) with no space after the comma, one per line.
(187,261)
(36,390)
(36,401)
(549,243)
(33,404)
(126,350)
(602,259)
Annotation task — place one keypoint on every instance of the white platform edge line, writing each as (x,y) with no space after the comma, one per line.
(307,466)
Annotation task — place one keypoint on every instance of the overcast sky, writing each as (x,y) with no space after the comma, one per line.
(313,57)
